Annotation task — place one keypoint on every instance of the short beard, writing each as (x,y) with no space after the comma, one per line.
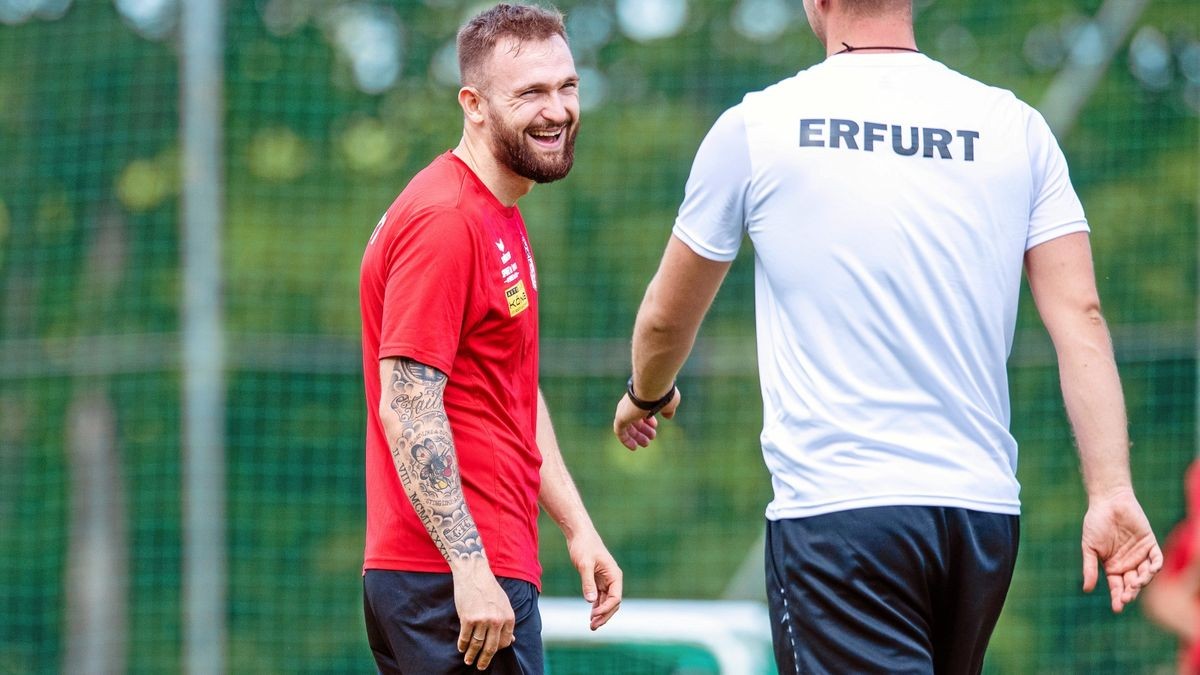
(511,150)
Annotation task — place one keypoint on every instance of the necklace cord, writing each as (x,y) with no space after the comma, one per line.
(848,49)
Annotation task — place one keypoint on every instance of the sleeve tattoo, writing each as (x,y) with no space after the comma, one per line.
(426,461)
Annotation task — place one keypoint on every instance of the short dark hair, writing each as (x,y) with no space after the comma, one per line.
(479,36)
(873,7)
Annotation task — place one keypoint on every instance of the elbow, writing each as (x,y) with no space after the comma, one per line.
(1076,325)
(664,329)
(1090,311)
(668,318)
(1081,313)
(656,318)
(659,324)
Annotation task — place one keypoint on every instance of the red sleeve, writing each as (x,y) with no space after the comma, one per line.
(1182,547)
(429,267)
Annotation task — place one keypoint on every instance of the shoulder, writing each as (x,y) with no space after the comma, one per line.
(436,198)
(966,85)
(439,185)
(438,225)
(784,88)
(997,107)
(731,124)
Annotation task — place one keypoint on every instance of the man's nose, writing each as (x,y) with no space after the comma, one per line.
(555,109)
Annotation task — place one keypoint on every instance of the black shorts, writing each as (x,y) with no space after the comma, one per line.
(412,625)
(895,589)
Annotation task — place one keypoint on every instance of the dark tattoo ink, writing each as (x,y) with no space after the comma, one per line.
(426,461)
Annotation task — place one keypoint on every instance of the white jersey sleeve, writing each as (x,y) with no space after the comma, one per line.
(1054,209)
(712,218)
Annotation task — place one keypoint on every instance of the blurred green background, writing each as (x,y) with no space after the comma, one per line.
(330,106)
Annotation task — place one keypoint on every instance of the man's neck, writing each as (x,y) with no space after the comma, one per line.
(868,35)
(507,186)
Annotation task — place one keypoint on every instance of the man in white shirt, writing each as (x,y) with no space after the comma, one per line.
(891,203)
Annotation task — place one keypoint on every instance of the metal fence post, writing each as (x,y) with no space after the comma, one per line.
(202,110)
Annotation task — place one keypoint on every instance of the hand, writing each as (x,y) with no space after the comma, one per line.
(1117,534)
(633,428)
(601,577)
(485,614)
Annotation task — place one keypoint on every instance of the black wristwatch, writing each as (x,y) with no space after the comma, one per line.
(651,407)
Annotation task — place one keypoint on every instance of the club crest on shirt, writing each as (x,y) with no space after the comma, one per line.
(518,300)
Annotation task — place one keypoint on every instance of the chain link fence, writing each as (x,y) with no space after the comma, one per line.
(329,107)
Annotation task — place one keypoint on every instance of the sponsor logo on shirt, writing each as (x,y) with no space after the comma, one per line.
(517,299)
(509,270)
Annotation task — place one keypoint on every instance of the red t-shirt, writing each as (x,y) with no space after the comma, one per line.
(448,280)
(1182,551)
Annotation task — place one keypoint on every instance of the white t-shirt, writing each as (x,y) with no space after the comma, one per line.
(890,202)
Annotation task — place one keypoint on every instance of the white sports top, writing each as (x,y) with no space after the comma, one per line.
(890,201)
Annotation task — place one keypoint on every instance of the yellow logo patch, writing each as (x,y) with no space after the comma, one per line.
(518,301)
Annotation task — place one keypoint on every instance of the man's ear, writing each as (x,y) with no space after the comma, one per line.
(472,103)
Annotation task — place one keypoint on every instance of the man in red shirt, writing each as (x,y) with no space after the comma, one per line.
(461,451)
(1173,600)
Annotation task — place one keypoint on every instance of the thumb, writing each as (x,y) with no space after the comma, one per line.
(1089,569)
(587,574)
(669,409)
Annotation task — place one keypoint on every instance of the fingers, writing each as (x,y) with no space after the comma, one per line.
(639,433)
(1132,581)
(608,602)
(490,645)
(601,587)
(1089,570)
(646,429)
(1125,587)
(508,634)
(1116,532)
(1116,591)
(484,640)
(1156,561)
(587,574)
(1144,573)
(624,422)
(474,641)
(632,427)
(464,639)
(633,439)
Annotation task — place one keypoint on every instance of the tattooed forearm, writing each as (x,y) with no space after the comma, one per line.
(426,461)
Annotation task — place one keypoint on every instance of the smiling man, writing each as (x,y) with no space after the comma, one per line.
(460,449)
